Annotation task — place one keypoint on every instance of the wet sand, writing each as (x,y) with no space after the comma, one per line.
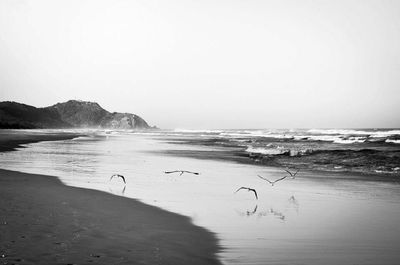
(10,141)
(46,222)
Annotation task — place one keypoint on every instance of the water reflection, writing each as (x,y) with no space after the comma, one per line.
(247,212)
(278,214)
(272,210)
(294,203)
(263,213)
(117,191)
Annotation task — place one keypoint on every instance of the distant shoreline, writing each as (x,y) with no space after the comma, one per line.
(10,142)
(47,222)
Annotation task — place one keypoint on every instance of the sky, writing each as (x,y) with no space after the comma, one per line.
(209,64)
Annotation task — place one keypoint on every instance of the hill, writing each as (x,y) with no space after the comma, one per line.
(70,114)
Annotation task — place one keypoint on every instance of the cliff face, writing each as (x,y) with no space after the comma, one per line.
(123,121)
(70,114)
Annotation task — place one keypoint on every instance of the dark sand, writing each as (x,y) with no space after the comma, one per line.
(43,221)
(10,141)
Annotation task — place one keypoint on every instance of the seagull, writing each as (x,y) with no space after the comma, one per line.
(182,171)
(119,176)
(271,182)
(291,174)
(248,189)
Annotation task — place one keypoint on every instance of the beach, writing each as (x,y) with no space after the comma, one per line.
(318,217)
(200,132)
(10,139)
(46,222)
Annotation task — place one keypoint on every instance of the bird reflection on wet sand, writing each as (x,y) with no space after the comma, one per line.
(294,203)
(122,192)
(247,212)
(277,214)
(271,212)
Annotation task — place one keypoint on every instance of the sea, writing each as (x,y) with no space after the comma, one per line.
(367,151)
(342,207)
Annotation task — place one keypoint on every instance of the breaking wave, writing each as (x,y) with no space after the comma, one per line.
(367,150)
(370,133)
(278,151)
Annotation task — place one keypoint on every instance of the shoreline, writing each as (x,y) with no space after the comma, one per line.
(10,142)
(47,222)
(238,157)
(371,158)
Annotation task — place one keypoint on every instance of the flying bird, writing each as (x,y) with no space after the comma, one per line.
(182,171)
(272,182)
(248,189)
(291,174)
(118,176)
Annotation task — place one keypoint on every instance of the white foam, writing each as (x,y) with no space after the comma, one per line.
(380,133)
(197,131)
(265,151)
(300,152)
(278,151)
(393,141)
(327,138)
(256,133)
(235,135)
(350,140)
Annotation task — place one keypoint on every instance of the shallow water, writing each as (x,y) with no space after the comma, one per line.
(312,219)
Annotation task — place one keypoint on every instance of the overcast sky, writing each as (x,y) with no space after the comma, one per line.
(209,64)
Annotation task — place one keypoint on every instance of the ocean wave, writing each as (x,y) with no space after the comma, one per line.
(254,134)
(80,138)
(340,139)
(331,138)
(392,141)
(336,138)
(351,140)
(234,135)
(198,131)
(339,131)
(377,133)
(279,151)
(265,151)
(326,138)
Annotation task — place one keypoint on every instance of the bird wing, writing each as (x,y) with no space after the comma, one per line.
(195,173)
(123,178)
(240,189)
(255,193)
(265,179)
(289,172)
(280,179)
(169,172)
